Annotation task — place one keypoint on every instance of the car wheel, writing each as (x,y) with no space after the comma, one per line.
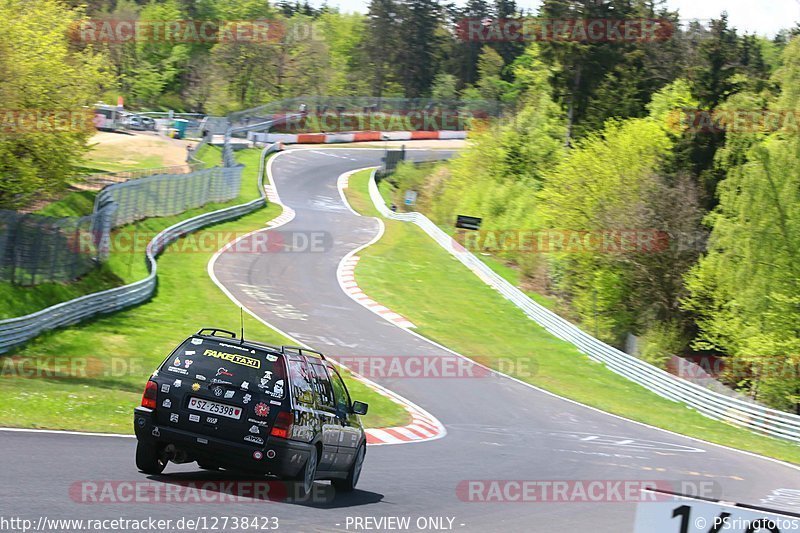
(308,474)
(149,459)
(349,483)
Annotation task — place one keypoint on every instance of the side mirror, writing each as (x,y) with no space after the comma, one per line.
(360,408)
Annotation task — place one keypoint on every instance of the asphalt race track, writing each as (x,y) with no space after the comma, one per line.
(497,429)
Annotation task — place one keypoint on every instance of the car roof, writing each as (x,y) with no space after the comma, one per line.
(291,351)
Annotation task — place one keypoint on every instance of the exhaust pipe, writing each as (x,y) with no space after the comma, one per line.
(176,455)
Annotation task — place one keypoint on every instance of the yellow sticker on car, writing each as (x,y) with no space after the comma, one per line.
(234,358)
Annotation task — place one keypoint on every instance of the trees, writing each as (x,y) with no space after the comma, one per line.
(601,80)
(420,37)
(745,291)
(380,45)
(41,72)
(611,189)
(156,67)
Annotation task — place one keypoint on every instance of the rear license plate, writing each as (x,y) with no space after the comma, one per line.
(220,409)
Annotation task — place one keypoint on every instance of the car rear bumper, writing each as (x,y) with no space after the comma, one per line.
(279,457)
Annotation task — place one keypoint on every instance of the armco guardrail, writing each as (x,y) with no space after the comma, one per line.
(733,410)
(16,331)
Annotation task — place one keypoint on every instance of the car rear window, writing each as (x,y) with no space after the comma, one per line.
(219,362)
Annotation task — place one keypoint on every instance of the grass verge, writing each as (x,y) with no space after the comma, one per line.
(105,362)
(408,272)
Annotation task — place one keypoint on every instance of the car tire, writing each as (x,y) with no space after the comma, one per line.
(305,478)
(149,459)
(348,484)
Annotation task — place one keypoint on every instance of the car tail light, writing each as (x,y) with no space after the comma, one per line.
(283,425)
(149,396)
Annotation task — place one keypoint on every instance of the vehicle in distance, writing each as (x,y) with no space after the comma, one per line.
(246,406)
(139,123)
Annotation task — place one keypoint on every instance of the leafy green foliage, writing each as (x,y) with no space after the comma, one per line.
(41,73)
(745,291)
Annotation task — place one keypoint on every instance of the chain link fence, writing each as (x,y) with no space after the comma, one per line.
(169,194)
(38,249)
(364,105)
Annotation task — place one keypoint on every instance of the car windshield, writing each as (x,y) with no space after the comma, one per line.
(225,363)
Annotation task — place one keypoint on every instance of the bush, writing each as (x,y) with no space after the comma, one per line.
(661,342)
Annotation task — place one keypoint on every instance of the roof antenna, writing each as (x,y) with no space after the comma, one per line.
(241,320)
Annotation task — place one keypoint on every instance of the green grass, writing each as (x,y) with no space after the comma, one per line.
(19,301)
(408,272)
(210,155)
(73,204)
(126,346)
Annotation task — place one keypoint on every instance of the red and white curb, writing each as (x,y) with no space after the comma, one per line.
(355,136)
(423,426)
(288,213)
(346,270)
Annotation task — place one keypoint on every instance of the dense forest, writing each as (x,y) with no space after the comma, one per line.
(596,136)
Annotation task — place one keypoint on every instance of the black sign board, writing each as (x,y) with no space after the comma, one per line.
(391,160)
(467,222)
